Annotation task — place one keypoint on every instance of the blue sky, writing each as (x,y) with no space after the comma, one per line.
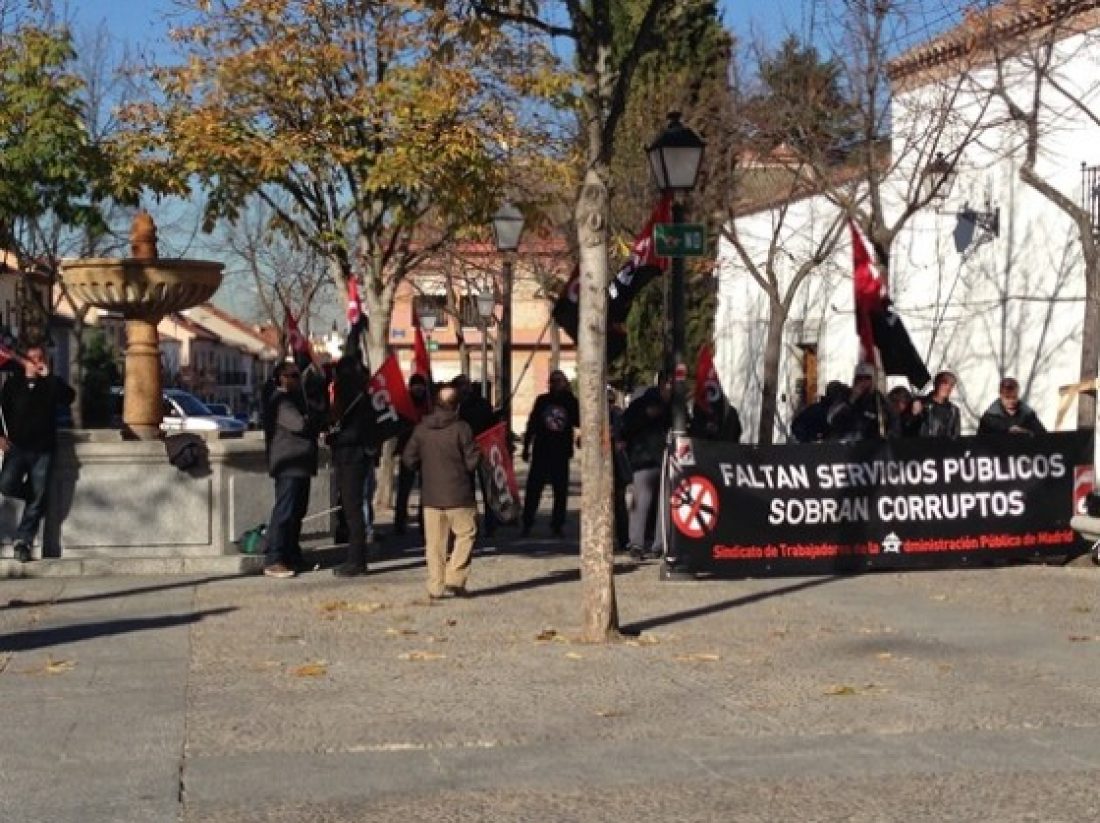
(141,21)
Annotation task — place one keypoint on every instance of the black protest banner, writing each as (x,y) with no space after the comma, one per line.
(917,503)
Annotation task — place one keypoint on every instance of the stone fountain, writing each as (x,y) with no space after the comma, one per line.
(116,505)
(143,288)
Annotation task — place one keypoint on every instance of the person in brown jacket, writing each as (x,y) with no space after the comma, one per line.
(442,447)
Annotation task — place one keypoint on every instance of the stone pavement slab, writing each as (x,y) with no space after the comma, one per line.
(964,695)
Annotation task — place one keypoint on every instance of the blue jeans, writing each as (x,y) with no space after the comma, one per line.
(284,530)
(370,483)
(26,475)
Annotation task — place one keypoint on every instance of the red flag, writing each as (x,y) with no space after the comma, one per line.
(642,265)
(422,363)
(6,354)
(708,388)
(879,327)
(499,473)
(355,308)
(357,324)
(299,347)
(870,294)
(390,400)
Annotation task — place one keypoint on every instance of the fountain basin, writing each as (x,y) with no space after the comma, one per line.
(142,288)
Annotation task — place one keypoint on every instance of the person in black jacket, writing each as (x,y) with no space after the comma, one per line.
(939,416)
(811,425)
(29,402)
(548,447)
(720,422)
(290,433)
(645,429)
(905,417)
(348,438)
(1008,414)
(406,477)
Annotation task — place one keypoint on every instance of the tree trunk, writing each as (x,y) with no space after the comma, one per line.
(601,618)
(380,310)
(769,387)
(555,346)
(1090,341)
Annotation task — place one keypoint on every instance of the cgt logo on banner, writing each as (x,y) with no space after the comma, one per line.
(498,473)
(825,508)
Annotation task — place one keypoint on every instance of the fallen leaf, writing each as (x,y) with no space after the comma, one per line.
(59,666)
(1081,609)
(574,656)
(288,638)
(547,634)
(418,655)
(435,639)
(940,597)
(450,621)
(945,668)
(345,606)
(608,713)
(841,690)
(317,669)
(884,656)
(1081,638)
(698,657)
(402,632)
(644,640)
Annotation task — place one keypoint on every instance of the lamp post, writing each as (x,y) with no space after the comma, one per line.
(936,181)
(675,156)
(485,303)
(507,228)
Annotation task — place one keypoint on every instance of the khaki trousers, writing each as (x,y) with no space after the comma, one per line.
(438,526)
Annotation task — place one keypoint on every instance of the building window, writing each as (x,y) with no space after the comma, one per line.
(435,304)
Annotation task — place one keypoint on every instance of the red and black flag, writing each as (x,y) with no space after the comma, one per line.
(708,388)
(391,406)
(879,327)
(357,324)
(641,267)
(502,491)
(422,361)
(297,344)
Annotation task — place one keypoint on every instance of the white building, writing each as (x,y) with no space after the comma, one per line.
(979,304)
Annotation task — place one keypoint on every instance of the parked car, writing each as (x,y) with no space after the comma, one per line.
(220,409)
(183,412)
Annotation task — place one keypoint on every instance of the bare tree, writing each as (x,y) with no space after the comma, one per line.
(1043,74)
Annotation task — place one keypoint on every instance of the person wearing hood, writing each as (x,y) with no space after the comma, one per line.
(1008,414)
(443,450)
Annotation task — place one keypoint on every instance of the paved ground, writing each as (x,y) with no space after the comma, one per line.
(966,695)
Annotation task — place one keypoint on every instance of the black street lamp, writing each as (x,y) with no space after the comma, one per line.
(507,229)
(485,304)
(675,157)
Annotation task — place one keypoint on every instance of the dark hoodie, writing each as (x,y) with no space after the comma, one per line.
(442,447)
(997,420)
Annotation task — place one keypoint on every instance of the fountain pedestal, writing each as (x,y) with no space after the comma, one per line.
(143,289)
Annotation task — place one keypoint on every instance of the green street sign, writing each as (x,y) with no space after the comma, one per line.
(680,239)
(433,346)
